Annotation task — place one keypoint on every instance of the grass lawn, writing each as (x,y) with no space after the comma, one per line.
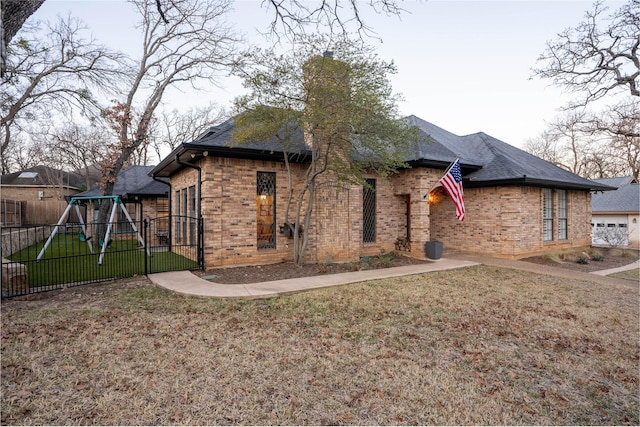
(68,260)
(480,345)
(628,275)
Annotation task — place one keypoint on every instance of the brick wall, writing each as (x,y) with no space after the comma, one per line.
(500,221)
(31,193)
(416,183)
(507,222)
(335,231)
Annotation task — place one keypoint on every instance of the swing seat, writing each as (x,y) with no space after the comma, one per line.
(84,238)
(101,242)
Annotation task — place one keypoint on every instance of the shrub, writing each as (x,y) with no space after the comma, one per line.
(386,260)
(582,260)
(553,257)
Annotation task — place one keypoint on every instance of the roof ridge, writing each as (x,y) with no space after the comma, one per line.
(494,150)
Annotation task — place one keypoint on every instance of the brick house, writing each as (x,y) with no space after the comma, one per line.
(37,195)
(41,183)
(517,205)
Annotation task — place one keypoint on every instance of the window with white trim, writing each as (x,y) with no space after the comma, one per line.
(547,214)
(562,215)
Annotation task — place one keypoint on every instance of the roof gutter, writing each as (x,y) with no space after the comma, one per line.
(537,182)
(240,152)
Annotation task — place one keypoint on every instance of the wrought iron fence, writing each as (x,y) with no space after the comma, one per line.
(44,258)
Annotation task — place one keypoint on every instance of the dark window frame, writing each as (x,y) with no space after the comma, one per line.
(369,208)
(265,187)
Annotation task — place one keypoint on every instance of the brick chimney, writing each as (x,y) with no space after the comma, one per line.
(327,85)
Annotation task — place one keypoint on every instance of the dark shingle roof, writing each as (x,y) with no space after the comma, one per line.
(497,163)
(134,181)
(43,176)
(219,137)
(625,199)
(217,141)
(486,161)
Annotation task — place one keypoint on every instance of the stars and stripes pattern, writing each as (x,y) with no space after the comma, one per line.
(452,182)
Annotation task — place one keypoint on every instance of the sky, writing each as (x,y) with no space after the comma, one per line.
(464,66)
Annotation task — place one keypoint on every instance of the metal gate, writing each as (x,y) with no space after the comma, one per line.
(74,258)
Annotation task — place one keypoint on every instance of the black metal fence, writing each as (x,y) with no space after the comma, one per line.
(48,257)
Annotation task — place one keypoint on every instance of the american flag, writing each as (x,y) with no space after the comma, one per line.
(452,182)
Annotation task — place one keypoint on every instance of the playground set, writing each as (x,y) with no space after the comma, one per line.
(83,236)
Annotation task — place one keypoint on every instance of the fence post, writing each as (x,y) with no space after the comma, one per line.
(201,242)
(145,235)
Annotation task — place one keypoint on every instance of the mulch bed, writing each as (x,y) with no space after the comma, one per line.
(288,270)
(610,258)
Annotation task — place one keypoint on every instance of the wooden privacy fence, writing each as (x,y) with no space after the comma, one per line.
(44,211)
(32,212)
(11,213)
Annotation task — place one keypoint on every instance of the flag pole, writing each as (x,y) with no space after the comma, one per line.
(444,174)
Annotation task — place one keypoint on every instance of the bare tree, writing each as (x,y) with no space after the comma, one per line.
(620,125)
(598,57)
(343,111)
(75,147)
(296,18)
(196,46)
(21,154)
(59,72)
(13,14)
(593,146)
(615,237)
(174,127)
(547,147)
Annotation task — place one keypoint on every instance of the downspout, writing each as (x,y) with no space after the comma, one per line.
(199,209)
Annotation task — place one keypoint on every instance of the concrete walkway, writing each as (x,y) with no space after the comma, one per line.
(618,269)
(187,283)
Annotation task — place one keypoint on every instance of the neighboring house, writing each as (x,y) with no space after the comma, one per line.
(40,183)
(144,198)
(616,214)
(517,204)
(36,195)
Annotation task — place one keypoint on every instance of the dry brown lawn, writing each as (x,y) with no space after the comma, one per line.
(628,275)
(480,345)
